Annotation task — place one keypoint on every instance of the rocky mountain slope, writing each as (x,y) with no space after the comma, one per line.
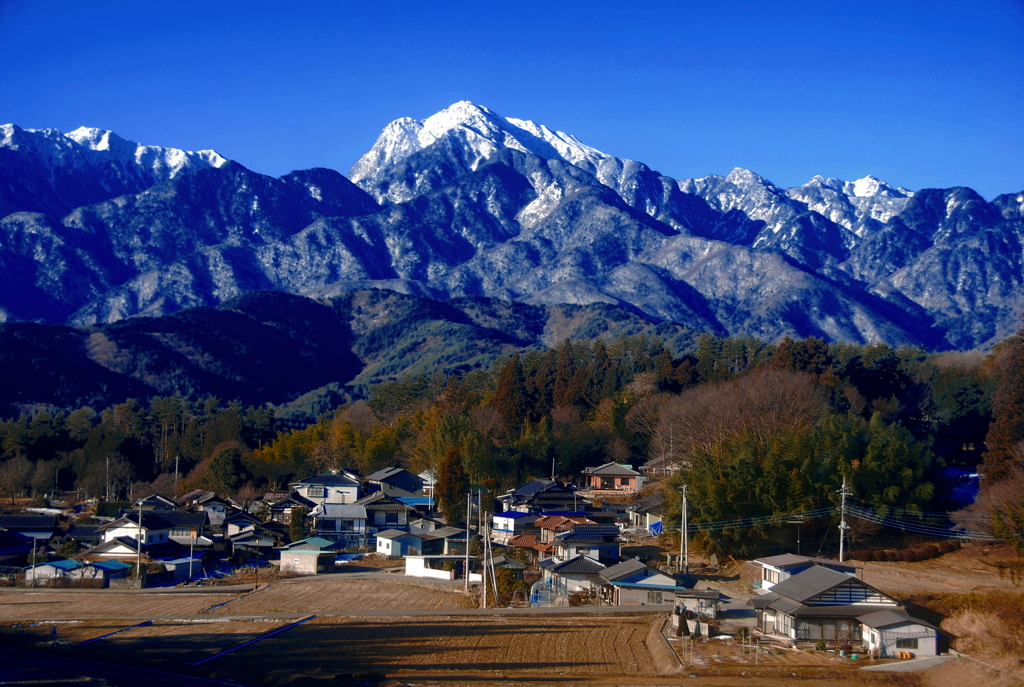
(470,203)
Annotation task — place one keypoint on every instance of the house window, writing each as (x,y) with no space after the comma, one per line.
(315,492)
(583,550)
(654,598)
(346,524)
(906,643)
(624,481)
(391,518)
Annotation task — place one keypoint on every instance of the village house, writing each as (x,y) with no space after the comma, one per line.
(887,632)
(632,583)
(39,528)
(187,528)
(76,570)
(214,506)
(14,548)
(398,543)
(542,495)
(328,488)
(775,569)
(821,603)
(598,542)
(240,522)
(313,556)
(121,538)
(646,513)
(384,513)
(395,482)
(613,477)
(344,523)
(579,574)
(281,509)
(508,524)
(157,502)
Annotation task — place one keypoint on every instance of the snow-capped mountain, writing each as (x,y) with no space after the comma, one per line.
(49,171)
(474,203)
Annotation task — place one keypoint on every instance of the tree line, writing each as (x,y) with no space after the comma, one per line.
(757,428)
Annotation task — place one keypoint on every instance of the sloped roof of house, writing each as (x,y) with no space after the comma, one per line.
(379,501)
(158,500)
(312,544)
(339,510)
(525,540)
(561,522)
(538,486)
(647,504)
(62,564)
(150,521)
(183,518)
(577,565)
(789,560)
(13,540)
(508,562)
(395,534)
(623,569)
(814,581)
(611,469)
(447,532)
(111,566)
(295,499)
(28,522)
(888,618)
(515,515)
(386,474)
(200,496)
(327,480)
(240,515)
(589,534)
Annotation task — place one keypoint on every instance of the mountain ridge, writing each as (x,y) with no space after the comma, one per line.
(470,203)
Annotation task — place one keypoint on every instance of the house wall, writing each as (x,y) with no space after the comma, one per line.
(417,567)
(132,531)
(627,596)
(336,494)
(885,641)
(305,562)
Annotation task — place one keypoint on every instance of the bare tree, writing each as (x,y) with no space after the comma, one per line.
(14,476)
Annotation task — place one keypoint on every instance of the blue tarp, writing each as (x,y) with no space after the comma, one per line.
(655,528)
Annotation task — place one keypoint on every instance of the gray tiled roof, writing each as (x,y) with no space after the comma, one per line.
(809,583)
(339,480)
(610,469)
(786,560)
(888,617)
(580,565)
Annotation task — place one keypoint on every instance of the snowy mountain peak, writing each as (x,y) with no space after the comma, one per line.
(866,187)
(479,131)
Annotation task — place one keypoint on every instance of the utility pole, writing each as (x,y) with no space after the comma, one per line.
(842,519)
(138,548)
(684,538)
(108,477)
(469,505)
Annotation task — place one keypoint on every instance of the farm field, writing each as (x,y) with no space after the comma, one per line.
(55,605)
(333,595)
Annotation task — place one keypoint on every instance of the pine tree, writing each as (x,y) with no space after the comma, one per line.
(1007,428)
(510,396)
(451,487)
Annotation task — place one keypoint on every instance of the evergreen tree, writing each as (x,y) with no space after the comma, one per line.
(451,487)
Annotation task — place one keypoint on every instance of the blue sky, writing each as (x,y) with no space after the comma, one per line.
(921,94)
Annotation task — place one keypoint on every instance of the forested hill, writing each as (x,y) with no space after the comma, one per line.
(270,347)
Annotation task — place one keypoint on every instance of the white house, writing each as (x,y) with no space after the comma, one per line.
(153,530)
(890,631)
(775,569)
(398,543)
(328,488)
(632,583)
(340,522)
(509,523)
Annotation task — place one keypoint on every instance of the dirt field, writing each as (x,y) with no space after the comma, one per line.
(340,594)
(970,568)
(22,605)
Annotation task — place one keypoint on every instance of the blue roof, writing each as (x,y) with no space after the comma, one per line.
(414,500)
(111,565)
(63,564)
(514,514)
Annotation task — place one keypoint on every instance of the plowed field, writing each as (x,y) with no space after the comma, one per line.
(54,605)
(323,596)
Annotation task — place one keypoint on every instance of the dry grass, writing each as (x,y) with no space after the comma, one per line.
(54,605)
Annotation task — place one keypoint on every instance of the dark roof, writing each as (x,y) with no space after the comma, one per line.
(810,583)
(610,469)
(395,534)
(84,532)
(150,521)
(327,480)
(385,474)
(378,500)
(241,515)
(590,534)
(646,504)
(295,499)
(28,522)
(182,518)
(578,565)
(622,569)
(887,618)
(14,540)
(540,486)
(788,560)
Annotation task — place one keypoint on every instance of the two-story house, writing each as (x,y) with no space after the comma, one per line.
(384,513)
(613,477)
(395,482)
(344,523)
(328,488)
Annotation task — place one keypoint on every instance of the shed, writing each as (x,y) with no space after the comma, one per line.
(890,631)
(307,561)
(398,543)
(434,566)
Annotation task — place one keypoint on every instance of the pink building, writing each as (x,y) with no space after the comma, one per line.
(613,477)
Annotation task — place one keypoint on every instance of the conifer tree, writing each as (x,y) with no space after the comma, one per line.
(451,487)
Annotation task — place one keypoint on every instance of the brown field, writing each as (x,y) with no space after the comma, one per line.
(332,595)
(53,605)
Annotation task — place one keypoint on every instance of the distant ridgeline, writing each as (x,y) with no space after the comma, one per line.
(762,429)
